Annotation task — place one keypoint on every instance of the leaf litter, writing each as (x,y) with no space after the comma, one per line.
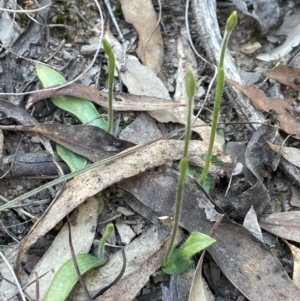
(237,238)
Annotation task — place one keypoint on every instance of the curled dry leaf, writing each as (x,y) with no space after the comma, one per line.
(121,101)
(287,116)
(282,224)
(286,75)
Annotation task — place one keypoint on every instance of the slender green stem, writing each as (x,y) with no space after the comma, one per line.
(111,69)
(231,22)
(107,233)
(183,166)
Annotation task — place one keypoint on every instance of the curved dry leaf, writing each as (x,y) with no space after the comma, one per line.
(89,183)
(121,101)
(286,115)
(296,256)
(287,75)
(282,224)
(142,16)
(199,288)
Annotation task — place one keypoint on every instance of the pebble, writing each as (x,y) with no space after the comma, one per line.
(125,232)
(125,211)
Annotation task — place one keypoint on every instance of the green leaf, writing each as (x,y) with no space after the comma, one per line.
(231,22)
(181,257)
(83,109)
(66,276)
(190,83)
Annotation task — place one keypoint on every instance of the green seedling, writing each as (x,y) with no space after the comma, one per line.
(84,110)
(111,70)
(178,260)
(66,277)
(230,24)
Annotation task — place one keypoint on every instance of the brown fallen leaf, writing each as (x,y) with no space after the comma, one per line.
(142,16)
(199,288)
(122,166)
(291,154)
(282,224)
(287,116)
(296,256)
(245,261)
(286,75)
(11,111)
(121,101)
(89,141)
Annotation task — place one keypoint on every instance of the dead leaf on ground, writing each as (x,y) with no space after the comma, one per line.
(140,253)
(296,256)
(199,289)
(89,141)
(142,16)
(244,260)
(83,222)
(121,101)
(285,114)
(137,160)
(11,111)
(291,154)
(283,224)
(287,75)
(129,287)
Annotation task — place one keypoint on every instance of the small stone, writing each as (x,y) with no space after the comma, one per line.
(68,45)
(66,55)
(35,139)
(125,232)
(19,187)
(159,277)
(125,211)
(250,48)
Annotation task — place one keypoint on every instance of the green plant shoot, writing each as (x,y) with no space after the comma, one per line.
(230,24)
(178,260)
(111,70)
(66,277)
(190,85)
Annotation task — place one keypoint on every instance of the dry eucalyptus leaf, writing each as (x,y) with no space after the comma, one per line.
(89,141)
(91,182)
(286,75)
(142,16)
(286,114)
(83,222)
(296,255)
(199,289)
(282,224)
(121,101)
(129,287)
